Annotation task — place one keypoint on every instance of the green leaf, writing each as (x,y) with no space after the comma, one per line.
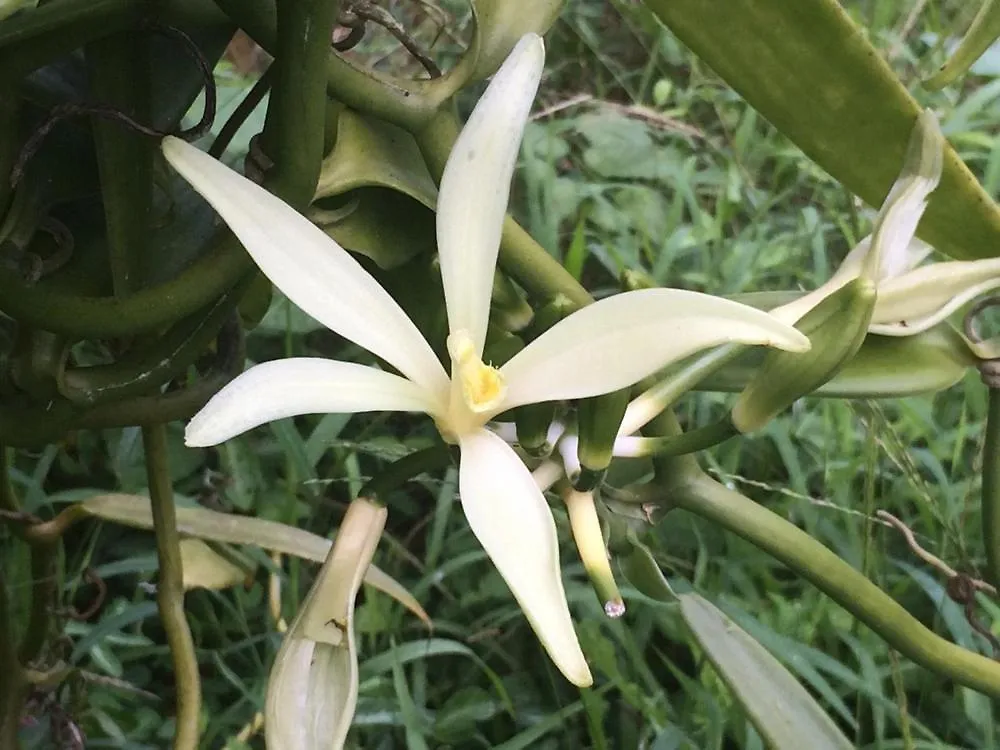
(984,31)
(386,192)
(782,711)
(811,71)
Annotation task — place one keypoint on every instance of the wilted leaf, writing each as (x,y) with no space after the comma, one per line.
(204,568)
(135,511)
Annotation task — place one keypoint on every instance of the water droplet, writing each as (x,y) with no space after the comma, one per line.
(614,608)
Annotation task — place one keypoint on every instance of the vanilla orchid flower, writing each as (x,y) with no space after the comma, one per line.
(602,348)
(909,300)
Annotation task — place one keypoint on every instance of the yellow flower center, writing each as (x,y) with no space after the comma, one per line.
(483,387)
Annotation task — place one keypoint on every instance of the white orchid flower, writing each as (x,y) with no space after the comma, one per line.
(601,348)
(910,298)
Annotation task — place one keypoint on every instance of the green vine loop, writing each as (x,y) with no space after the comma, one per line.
(155,362)
(170,589)
(31,426)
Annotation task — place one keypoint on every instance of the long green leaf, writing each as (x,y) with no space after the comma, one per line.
(808,69)
(784,713)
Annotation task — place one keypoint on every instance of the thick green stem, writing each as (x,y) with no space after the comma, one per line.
(170,589)
(408,104)
(43,575)
(32,39)
(296,113)
(13,686)
(43,593)
(838,580)
(990,500)
(119,74)
(48,307)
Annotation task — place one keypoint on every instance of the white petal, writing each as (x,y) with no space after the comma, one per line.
(619,340)
(310,268)
(511,519)
(302,385)
(923,298)
(902,208)
(475,188)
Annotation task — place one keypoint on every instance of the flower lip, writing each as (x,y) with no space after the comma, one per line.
(483,387)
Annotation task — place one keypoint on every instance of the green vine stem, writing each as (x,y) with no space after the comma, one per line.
(119,70)
(151,364)
(31,426)
(295,126)
(687,487)
(29,40)
(13,687)
(990,499)
(170,589)
(409,104)
(43,554)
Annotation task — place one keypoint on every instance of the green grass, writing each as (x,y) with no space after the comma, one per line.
(661,169)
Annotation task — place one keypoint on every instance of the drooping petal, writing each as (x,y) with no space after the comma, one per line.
(891,249)
(924,297)
(475,188)
(302,385)
(511,519)
(310,268)
(619,340)
(903,207)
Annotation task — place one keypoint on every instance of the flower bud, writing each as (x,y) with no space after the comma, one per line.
(313,688)
(586,526)
(837,326)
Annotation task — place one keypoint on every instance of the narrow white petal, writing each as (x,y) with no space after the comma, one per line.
(310,268)
(304,385)
(619,340)
(511,519)
(475,188)
(904,205)
(923,298)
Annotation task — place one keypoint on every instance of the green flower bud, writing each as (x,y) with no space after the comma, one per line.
(837,326)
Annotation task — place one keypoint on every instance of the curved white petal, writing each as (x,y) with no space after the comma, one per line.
(902,208)
(923,298)
(302,385)
(619,340)
(475,188)
(511,519)
(310,268)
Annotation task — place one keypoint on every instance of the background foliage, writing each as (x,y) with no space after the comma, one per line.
(638,158)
